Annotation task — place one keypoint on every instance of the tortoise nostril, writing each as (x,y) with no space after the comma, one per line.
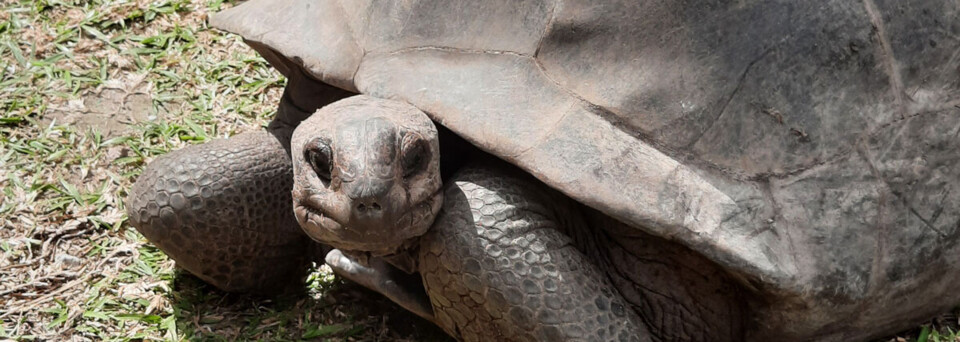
(372,206)
(369,195)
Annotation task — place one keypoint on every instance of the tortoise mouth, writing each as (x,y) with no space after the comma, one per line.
(379,238)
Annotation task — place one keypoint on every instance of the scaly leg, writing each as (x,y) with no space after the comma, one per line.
(223,211)
(498,266)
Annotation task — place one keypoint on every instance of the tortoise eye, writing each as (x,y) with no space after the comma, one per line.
(318,154)
(414,158)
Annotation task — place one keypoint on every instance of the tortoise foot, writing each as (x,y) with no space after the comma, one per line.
(404,289)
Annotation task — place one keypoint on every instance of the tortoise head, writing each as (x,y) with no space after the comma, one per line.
(366,174)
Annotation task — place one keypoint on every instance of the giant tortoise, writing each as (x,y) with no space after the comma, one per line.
(709,171)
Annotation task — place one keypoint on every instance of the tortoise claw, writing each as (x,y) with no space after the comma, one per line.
(404,289)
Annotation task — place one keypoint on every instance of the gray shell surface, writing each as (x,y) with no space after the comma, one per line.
(810,147)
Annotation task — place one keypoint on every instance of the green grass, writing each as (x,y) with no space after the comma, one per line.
(92,90)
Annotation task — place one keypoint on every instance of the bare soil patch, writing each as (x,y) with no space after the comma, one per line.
(112,109)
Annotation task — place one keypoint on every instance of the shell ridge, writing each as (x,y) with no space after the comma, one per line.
(447,49)
(547,28)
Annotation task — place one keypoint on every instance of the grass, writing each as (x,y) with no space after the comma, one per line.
(92,90)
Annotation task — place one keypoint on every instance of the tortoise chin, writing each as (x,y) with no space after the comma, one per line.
(382,235)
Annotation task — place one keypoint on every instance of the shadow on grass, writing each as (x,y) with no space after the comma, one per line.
(334,311)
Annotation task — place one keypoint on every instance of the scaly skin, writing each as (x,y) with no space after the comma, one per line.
(679,294)
(497,266)
(223,209)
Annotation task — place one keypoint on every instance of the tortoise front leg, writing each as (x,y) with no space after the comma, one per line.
(223,211)
(497,266)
